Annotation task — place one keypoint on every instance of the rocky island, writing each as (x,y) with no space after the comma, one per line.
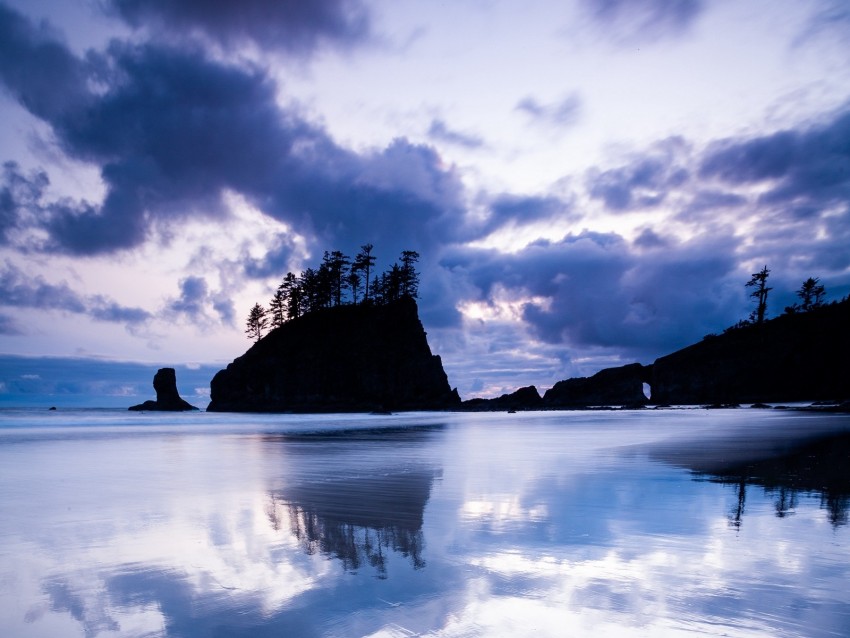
(798,356)
(167,397)
(346,358)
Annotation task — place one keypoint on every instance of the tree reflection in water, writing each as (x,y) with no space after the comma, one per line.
(784,467)
(357,520)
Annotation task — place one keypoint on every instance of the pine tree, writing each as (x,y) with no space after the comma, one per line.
(811,294)
(256,323)
(759,282)
(364,261)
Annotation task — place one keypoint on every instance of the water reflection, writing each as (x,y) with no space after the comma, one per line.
(492,525)
(784,464)
(357,520)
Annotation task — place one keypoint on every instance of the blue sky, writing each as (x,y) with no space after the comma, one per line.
(589,183)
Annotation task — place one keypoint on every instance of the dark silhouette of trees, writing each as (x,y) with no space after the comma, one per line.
(409,277)
(335,265)
(353,282)
(811,294)
(759,282)
(256,323)
(364,261)
(277,308)
(292,295)
(336,281)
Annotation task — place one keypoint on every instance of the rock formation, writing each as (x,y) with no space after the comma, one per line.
(621,386)
(346,359)
(794,357)
(527,398)
(167,397)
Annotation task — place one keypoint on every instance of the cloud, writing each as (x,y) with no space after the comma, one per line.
(645,181)
(595,290)
(559,114)
(440,132)
(37,67)
(17,290)
(290,26)
(803,173)
(19,196)
(196,300)
(172,130)
(643,20)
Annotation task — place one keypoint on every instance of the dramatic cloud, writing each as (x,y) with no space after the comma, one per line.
(292,26)
(559,114)
(18,290)
(806,172)
(172,129)
(596,290)
(644,19)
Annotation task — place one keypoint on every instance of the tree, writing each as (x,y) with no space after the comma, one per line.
(353,282)
(759,282)
(409,278)
(336,266)
(292,294)
(277,307)
(365,260)
(256,323)
(388,288)
(811,294)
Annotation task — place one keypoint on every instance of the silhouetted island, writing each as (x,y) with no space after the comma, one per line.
(346,358)
(167,397)
(798,356)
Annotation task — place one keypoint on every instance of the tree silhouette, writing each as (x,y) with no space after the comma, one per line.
(277,307)
(353,283)
(811,294)
(256,323)
(292,295)
(335,264)
(759,282)
(326,286)
(409,283)
(365,260)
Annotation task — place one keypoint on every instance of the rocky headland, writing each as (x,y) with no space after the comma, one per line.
(349,358)
(796,357)
(167,397)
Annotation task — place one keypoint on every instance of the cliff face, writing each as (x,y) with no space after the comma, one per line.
(798,357)
(348,358)
(613,386)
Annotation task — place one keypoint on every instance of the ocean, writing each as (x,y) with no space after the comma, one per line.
(675,522)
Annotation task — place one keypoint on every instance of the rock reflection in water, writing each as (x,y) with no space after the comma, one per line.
(357,520)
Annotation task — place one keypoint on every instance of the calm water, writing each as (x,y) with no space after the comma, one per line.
(652,523)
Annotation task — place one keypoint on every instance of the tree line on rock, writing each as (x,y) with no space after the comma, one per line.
(812,295)
(338,280)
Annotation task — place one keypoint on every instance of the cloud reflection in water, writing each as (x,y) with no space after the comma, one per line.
(486,525)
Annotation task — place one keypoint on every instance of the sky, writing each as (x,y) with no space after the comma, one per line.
(589,183)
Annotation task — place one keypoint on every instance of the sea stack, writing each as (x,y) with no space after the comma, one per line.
(355,358)
(167,397)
